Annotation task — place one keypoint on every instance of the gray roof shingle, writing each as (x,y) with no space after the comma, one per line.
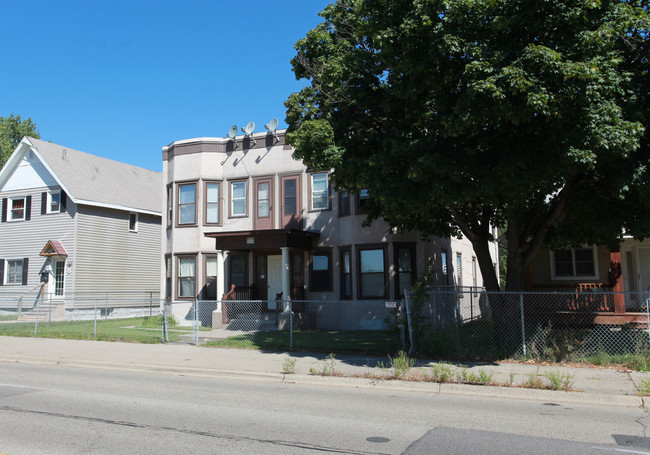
(100,180)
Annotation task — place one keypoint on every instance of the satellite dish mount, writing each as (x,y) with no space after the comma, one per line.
(232,134)
(272,126)
(248,131)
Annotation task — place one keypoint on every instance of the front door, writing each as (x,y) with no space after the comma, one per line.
(274,264)
(263,203)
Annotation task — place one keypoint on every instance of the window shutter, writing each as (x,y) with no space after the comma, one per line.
(43,203)
(28,208)
(4,209)
(2,272)
(63,201)
(25,266)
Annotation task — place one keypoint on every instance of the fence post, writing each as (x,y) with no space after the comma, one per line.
(150,302)
(523,329)
(408,320)
(164,324)
(49,313)
(95,329)
(38,306)
(647,312)
(196,322)
(290,324)
(106,305)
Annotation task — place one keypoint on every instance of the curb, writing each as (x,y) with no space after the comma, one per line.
(511,393)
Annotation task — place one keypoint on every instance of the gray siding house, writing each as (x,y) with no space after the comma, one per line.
(75,225)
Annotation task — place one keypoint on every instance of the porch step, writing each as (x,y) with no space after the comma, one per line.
(253,321)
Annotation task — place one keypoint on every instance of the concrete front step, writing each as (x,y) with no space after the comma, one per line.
(252,321)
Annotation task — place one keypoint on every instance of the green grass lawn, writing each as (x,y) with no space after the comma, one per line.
(134,330)
(340,342)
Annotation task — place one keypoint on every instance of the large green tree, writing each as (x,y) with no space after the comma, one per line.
(462,115)
(12,131)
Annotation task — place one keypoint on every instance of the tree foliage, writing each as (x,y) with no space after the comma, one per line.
(463,115)
(12,131)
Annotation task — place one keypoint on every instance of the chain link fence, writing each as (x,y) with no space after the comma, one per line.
(116,317)
(316,325)
(443,323)
(471,324)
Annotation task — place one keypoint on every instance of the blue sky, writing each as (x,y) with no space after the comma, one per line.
(120,79)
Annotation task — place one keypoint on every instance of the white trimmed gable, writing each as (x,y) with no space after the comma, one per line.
(30,173)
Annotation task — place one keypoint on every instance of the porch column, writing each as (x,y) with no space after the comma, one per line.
(286,279)
(616,280)
(221,279)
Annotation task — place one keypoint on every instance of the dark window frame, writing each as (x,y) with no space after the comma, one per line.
(342,275)
(344,211)
(178,203)
(413,250)
(178,275)
(205,276)
(313,287)
(358,209)
(366,247)
(218,203)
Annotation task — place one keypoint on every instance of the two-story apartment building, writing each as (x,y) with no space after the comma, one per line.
(244,212)
(74,224)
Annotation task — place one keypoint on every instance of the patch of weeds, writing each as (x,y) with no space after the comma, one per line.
(401,364)
(328,369)
(289,366)
(644,387)
(511,380)
(534,382)
(480,378)
(559,381)
(442,372)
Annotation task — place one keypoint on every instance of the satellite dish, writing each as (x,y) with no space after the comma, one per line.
(272,126)
(232,134)
(248,131)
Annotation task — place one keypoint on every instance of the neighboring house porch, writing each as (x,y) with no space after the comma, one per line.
(611,285)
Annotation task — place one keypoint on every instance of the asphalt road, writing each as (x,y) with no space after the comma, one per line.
(55,410)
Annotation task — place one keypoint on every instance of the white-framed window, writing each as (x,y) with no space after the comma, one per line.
(238,198)
(320,194)
(459,269)
(572,263)
(133,222)
(53,202)
(14,271)
(17,208)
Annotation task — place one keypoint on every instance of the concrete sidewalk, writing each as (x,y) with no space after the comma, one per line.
(590,385)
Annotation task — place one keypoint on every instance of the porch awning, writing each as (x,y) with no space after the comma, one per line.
(53,248)
(263,239)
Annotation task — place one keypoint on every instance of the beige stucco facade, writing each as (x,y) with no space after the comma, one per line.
(329,255)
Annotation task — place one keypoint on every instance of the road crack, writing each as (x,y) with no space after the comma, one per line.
(209,434)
